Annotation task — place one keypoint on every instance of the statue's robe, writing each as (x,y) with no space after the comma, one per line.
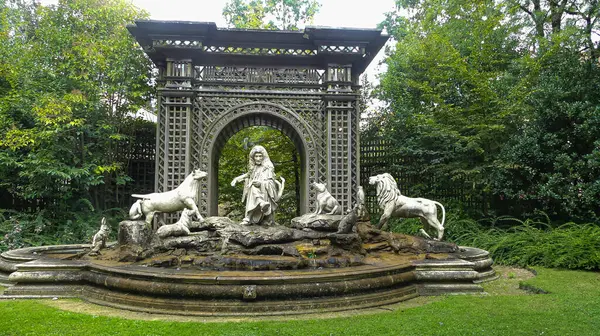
(260,198)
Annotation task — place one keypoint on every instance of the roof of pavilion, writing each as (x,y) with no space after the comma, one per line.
(206,44)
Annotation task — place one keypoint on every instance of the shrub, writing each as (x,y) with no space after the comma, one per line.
(524,243)
(20,229)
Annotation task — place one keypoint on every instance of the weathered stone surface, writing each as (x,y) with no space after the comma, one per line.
(348,222)
(200,241)
(213,223)
(132,253)
(166,261)
(250,236)
(253,263)
(134,232)
(400,243)
(278,250)
(317,222)
(350,242)
(221,237)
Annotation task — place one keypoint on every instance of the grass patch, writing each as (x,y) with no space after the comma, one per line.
(572,307)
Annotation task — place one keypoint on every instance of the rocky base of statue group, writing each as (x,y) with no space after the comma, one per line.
(218,243)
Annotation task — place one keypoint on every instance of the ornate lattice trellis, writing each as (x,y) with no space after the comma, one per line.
(214,82)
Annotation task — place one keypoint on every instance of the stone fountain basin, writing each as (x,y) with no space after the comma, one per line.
(384,278)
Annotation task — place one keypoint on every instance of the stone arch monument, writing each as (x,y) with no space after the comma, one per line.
(213,82)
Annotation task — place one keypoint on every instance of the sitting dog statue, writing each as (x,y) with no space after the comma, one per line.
(326,204)
(99,239)
(181,228)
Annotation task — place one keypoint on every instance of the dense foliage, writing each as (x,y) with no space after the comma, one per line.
(270,14)
(503,97)
(70,77)
(532,242)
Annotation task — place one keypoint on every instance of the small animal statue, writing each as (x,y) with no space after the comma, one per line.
(177,199)
(99,239)
(361,209)
(393,203)
(181,228)
(349,221)
(326,204)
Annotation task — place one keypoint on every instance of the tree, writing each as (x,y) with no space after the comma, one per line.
(551,17)
(270,14)
(450,98)
(472,96)
(71,74)
(553,161)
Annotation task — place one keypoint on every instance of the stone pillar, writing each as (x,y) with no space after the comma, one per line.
(173,127)
(342,134)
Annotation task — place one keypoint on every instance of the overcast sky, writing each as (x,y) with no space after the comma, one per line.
(334,13)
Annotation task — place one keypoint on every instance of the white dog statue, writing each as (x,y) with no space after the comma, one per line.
(326,203)
(182,197)
(181,228)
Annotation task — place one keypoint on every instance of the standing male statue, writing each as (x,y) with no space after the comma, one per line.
(261,190)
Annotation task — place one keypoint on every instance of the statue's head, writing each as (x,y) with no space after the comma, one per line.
(385,177)
(198,174)
(259,157)
(319,187)
(103,225)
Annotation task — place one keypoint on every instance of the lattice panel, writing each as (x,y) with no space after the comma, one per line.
(354,153)
(340,147)
(177,43)
(160,183)
(258,75)
(339,79)
(171,144)
(323,154)
(341,49)
(176,145)
(233,50)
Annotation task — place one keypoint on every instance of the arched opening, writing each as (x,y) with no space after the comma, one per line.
(269,126)
(233,161)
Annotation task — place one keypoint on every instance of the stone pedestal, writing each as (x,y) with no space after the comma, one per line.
(317,222)
(134,232)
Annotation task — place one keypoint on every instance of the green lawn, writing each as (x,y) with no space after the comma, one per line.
(572,307)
